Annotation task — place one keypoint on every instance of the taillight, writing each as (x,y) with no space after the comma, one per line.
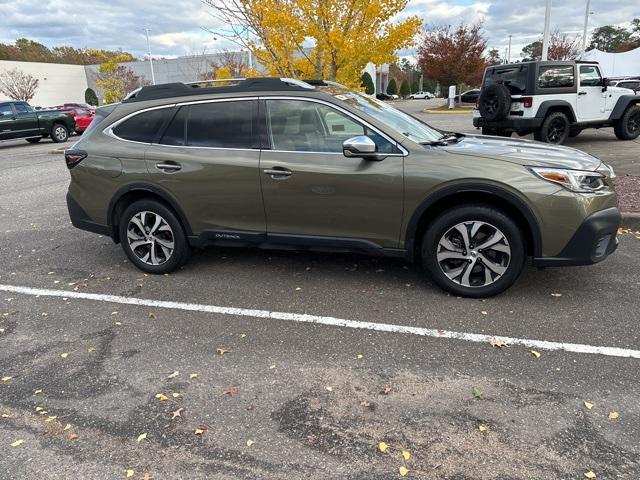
(527,101)
(74,157)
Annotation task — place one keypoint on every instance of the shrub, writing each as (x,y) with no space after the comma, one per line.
(367,84)
(404,89)
(90,97)
(392,88)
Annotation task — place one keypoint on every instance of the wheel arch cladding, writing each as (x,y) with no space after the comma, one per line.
(452,196)
(550,106)
(622,104)
(128,194)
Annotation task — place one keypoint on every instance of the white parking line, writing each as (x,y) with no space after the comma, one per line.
(330,321)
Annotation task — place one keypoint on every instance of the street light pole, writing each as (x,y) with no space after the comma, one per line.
(545,41)
(586,23)
(153,76)
(509,54)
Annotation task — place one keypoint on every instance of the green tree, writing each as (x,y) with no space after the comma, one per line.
(367,84)
(116,80)
(404,89)
(611,39)
(493,57)
(392,88)
(415,87)
(90,97)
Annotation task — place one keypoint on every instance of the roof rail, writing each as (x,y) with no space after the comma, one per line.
(168,90)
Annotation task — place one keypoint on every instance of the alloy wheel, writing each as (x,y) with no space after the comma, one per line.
(473,254)
(556,131)
(60,133)
(634,123)
(150,238)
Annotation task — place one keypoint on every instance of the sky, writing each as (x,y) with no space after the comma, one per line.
(182,27)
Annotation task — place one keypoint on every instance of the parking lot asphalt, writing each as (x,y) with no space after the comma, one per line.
(131,386)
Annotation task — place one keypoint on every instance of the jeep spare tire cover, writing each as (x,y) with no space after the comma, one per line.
(495,102)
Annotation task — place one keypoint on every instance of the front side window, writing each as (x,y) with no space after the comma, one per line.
(590,76)
(143,127)
(302,126)
(556,76)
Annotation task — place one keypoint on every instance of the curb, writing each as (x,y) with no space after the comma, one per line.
(58,151)
(631,220)
(447,112)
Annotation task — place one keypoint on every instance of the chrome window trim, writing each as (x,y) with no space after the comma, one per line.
(109,129)
(404,151)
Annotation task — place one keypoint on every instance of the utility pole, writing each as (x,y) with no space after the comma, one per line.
(586,23)
(153,75)
(509,52)
(505,56)
(545,41)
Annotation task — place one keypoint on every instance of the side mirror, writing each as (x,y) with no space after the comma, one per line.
(605,84)
(360,146)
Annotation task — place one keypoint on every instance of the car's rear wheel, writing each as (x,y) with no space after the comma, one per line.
(473,251)
(59,133)
(152,237)
(34,139)
(628,127)
(554,129)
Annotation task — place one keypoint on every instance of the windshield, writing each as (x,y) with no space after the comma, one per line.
(402,123)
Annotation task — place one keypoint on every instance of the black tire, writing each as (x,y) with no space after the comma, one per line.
(554,129)
(628,127)
(34,139)
(59,133)
(494,102)
(181,249)
(491,218)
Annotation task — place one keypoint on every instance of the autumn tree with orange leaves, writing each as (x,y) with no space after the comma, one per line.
(453,55)
(330,39)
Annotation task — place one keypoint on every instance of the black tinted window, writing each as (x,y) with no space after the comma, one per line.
(175,132)
(143,127)
(221,124)
(22,108)
(514,78)
(6,109)
(590,76)
(556,76)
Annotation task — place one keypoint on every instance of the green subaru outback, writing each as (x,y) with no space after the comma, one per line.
(281,163)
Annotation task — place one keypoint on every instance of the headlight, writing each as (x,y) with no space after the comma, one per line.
(579,181)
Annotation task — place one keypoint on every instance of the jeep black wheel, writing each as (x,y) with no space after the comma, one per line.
(152,237)
(554,129)
(473,251)
(628,127)
(494,102)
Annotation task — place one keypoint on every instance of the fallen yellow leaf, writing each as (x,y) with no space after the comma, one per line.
(613,415)
(403,471)
(588,405)
(482,428)
(590,474)
(162,397)
(51,418)
(534,353)
(73,436)
(329,388)
(64,355)
(406,454)
(221,350)
(484,312)
(199,431)
(383,446)
(141,437)
(91,349)
(152,316)
(243,335)
(250,442)
(39,408)
(130,473)
(17,443)
(359,356)
(174,374)
(556,294)
(67,427)
(118,323)
(5,415)
(38,392)
(193,375)
(176,394)
(6,379)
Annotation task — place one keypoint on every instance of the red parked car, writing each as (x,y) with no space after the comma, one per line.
(83,114)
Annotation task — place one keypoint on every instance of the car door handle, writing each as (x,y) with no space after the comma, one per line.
(168,167)
(582,93)
(278,172)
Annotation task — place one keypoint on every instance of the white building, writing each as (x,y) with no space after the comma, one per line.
(380,76)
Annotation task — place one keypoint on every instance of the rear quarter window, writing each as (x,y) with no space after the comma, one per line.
(143,127)
(556,76)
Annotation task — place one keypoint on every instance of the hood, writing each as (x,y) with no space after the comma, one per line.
(524,152)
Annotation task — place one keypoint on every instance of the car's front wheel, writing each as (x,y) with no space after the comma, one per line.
(152,237)
(473,251)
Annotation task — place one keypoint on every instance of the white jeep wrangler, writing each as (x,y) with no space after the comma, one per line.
(554,100)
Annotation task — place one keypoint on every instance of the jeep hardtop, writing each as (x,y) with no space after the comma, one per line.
(554,100)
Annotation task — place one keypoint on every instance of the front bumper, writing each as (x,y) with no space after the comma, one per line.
(592,242)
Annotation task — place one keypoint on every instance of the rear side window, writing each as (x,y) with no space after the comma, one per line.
(556,76)
(22,108)
(6,109)
(143,127)
(514,78)
(220,124)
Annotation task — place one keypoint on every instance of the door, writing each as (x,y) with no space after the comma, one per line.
(591,98)
(26,122)
(6,121)
(207,159)
(312,191)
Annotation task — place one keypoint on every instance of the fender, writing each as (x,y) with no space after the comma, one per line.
(498,192)
(621,105)
(146,187)
(546,105)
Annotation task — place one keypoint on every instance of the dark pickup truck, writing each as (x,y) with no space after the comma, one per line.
(19,120)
